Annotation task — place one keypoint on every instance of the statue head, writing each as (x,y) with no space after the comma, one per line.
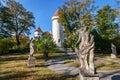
(85,28)
(32,40)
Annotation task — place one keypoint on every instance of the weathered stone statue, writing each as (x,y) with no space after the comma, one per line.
(31,59)
(114,52)
(85,52)
(32,47)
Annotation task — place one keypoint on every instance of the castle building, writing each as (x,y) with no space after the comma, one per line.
(57,30)
(38,33)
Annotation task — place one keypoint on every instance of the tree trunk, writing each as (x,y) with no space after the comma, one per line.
(17,41)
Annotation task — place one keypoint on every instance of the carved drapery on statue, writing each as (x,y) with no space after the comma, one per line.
(32,47)
(114,51)
(85,52)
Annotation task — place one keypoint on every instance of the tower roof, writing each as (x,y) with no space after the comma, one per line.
(46,33)
(38,30)
(56,13)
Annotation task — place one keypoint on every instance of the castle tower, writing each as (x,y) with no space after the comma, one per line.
(38,33)
(57,30)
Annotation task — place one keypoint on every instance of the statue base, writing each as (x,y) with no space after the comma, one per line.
(113,55)
(89,78)
(31,61)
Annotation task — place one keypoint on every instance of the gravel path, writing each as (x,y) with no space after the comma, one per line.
(59,66)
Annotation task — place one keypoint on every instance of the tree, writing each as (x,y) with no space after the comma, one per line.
(105,22)
(46,44)
(5,22)
(106,25)
(75,15)
(19,22)
(118,10)
(24,41)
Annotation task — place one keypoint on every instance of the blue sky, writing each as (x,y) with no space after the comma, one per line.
(43,10)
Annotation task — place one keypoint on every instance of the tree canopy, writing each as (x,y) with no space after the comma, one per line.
(15,20)
(105,21)
(74,15)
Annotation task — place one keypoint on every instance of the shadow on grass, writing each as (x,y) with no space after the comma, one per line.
(16,76)
(25,57)
(40,65)
(57,77)
(13,58)
(116,77)
(28,75)
(6,72)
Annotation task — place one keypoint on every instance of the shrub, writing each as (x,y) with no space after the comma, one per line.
(5,45)
(101,45)
(46,40)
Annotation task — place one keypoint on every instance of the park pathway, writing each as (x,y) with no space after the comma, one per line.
(59,65)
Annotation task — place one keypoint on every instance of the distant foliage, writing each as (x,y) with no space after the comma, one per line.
(75,15)
(106,22)
(107,29)
(5,45)
(70,42)
(101,45)
(46,40)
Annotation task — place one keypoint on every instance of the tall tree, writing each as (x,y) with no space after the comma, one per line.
(107,26)
(118,10)
(5,22)
(74,15)
(105,21)
(20,20)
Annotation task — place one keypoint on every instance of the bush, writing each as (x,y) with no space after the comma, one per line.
(46,45)
(5,45)
(101,45)
(46,40)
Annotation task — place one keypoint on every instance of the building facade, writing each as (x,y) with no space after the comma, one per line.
(57,30)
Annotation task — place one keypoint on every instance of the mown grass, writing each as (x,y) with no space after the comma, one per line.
(106,56)
(15,68)
(100,64)
(73,63)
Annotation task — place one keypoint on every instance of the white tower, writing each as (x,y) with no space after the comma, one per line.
(57,30)
(38,33)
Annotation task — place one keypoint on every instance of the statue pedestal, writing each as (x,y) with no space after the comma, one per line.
(31,61)
(89,78)
(113,55)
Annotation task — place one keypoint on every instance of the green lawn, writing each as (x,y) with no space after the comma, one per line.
(100,64)
(15,68)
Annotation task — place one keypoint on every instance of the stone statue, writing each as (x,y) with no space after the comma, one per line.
(85,52)
(31,59)
(114,52)
(32,47)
